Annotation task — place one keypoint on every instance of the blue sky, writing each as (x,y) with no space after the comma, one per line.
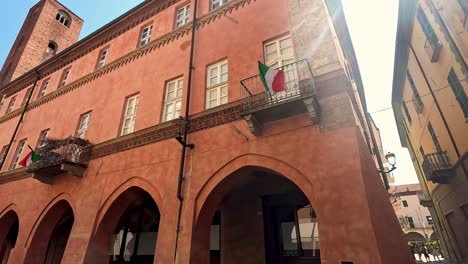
(372,25)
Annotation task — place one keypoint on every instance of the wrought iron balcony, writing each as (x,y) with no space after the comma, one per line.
(260,106)
(424,200)
(433,48)
(437,167)
(57,156)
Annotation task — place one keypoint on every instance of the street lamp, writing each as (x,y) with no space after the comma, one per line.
(391,158)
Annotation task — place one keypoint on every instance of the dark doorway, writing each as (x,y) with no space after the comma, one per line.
(291,230)
(59,238)
(134,238)
(9,225)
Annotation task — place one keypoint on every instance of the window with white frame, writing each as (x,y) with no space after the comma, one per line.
(217,84)
(183,16)
(25,99)
(279,52)
(11,104)
(43,89)
(145,37)
(128,121)
(102,58)
(43,138)
(1,101)
(83,125)
(3,153)
(65,76)
(217,3)
(18,154)
(173,99)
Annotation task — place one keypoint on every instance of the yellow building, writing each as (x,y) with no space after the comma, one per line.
(431,110)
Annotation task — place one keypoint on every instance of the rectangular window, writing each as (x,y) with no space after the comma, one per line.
(421,150)
(3,154)
(465,210)
(25,99)
(217,84)
(429,220)
(416,97)
(405,109)
(279,52)
(145,37)
(427,28)
(410,221)
(217,3)
(83,125)
(43,90)
(18,154)
(102,58)
(11,104)
(130,111)
(183,16)
(173,99)
(459,92)
(42,138)
(405,203)
(2,99)
(65,76)
(434,138)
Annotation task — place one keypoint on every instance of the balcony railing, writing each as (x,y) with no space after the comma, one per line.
(57,156)
(298,95)
(433,48)
(437,167)
(424,199)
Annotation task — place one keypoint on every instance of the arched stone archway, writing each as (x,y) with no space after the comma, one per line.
(258,215)
(128,230)
(434,236)
(50,237)
(415,237)
(9,226)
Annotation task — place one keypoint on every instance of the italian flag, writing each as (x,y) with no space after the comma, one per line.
(272,79)
(30,158)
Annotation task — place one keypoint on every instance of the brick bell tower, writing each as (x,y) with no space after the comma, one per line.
(48,29)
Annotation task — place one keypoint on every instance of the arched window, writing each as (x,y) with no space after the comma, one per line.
(63,18)
(52,48)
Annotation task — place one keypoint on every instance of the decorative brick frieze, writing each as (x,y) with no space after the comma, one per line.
(14,175)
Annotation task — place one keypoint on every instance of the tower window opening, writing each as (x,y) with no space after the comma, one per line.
(63,18)
(51,48)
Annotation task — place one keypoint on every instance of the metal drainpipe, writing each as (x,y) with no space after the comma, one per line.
(186,127)
(436,102)
(20,120)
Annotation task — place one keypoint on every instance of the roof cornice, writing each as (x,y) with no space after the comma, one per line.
(406,15)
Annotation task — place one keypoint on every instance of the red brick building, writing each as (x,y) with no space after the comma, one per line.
(248,175)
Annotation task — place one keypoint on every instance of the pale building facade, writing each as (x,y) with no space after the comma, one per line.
(431,109)
(415,219)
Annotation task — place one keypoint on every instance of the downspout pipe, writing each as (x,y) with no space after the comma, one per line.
(20,120)
(186,128)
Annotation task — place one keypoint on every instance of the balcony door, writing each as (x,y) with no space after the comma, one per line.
(279,55)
